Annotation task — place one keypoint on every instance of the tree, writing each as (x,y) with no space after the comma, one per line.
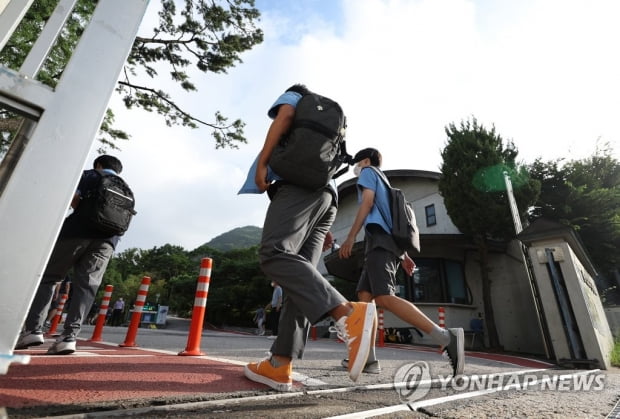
(203,35)
(584,195)
(473,188)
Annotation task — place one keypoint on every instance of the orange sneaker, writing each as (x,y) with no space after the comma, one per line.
(277,378)
(356,330)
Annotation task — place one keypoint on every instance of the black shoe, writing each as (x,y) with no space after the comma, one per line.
(456,351)
(370,367)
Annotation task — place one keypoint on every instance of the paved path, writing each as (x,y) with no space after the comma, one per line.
(106,377)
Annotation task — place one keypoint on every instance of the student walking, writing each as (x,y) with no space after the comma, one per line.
(296,224)
(382,258)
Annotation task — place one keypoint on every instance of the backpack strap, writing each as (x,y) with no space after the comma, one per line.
(382,176)
(345,158)
(387,183)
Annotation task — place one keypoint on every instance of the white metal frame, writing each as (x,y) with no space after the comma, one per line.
(37,186)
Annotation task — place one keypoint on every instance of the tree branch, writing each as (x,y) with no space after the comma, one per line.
(173,105)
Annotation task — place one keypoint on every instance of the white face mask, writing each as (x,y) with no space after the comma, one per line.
(357,170)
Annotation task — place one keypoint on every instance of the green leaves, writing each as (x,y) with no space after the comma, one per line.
(473,185)
(585,195)
(203,35)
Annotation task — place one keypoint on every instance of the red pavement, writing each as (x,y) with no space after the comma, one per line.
(103,373)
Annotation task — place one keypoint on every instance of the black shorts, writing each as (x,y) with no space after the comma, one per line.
(381,262)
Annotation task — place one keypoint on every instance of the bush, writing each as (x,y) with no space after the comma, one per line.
(615,354)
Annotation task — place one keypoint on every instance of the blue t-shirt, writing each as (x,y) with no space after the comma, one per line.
(286,98)
(370,179)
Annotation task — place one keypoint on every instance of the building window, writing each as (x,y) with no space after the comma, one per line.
(431,218)
(437,280)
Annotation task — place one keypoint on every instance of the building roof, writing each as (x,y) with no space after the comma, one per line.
(347,187)
(542,228)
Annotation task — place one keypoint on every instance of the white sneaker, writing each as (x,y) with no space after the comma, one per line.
(64,345)
(30,338)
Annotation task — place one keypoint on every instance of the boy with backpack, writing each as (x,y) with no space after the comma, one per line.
(300,214)
(383,257)
(103,206)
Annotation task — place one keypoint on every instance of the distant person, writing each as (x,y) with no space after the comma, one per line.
(117,312)
(259,319)
(296,223)
(80,246)
(382,258)
(275,305)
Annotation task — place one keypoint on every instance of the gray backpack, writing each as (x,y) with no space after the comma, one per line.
(314,148)
(404,227)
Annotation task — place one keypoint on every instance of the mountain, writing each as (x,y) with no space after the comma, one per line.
(237,238)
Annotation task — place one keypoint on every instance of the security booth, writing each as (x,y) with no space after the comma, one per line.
(578,328)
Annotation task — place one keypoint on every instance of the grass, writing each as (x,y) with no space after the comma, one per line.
(615,354)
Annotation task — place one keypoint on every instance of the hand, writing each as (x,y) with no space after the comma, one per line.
(261,178)
(408,265)
(346,248)
(329,241)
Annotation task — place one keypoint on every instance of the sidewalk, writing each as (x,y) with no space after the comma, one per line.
(105,376)
(110,375)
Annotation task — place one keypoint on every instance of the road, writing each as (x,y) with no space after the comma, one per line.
(493,388)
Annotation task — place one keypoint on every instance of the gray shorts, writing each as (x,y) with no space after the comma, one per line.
(381,262)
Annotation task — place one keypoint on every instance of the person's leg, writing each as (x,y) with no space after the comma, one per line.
(295,227)
(451,340)
(88,274)
(409,313)
(60,262)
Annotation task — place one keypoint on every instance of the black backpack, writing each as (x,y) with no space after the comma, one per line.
(314,148)
(109,206)
(404,227)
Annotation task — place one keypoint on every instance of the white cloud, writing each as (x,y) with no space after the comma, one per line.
(543,72)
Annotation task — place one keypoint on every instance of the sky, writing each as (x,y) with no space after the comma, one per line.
(544,73)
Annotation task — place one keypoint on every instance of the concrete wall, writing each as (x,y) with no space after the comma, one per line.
(516,318)
(584,299)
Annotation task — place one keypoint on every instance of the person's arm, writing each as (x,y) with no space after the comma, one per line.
(280,126)
(75,201)
(368,200)
(279,300)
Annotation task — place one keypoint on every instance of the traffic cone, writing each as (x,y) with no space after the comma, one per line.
(381,329)
(442,318)
(200,305)
(58,315)
(103,312)
(136,317)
